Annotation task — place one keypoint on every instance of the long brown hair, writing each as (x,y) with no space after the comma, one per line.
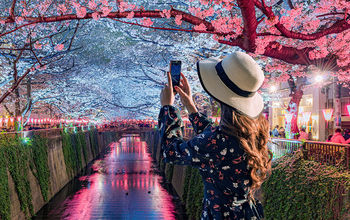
(253,136)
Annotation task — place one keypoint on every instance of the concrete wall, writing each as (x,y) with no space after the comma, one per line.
(58,175)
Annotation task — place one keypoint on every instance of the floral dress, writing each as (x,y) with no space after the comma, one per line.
(220,159)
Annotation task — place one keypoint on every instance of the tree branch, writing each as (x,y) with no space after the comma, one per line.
(250,23)
(337,27)
(12,10)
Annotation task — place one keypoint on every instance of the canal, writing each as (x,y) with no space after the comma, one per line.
(122,184)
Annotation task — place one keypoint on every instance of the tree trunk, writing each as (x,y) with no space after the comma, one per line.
(293,108)
(17,103)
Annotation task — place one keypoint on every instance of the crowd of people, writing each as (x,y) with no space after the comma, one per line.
(338,137)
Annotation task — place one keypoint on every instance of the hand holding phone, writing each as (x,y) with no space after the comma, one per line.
(175,72)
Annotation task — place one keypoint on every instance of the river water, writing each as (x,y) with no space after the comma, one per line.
(121,184)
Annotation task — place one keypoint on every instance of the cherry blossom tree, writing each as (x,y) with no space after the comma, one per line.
(289,35)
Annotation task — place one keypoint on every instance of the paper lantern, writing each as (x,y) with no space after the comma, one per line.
(12,120)
(348,108)
(327,113)
(288,117)
(266,115)
(19,118)
(306,116)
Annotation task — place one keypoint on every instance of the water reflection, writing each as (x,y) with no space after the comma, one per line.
(121,186)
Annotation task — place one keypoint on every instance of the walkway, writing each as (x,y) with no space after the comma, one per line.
(121,185)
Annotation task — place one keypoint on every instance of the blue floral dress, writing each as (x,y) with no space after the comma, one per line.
(220,159)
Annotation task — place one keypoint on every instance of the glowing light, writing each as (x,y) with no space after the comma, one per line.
(318,78)
(288,117)
(348,108)
(26,140)
(273,89)
(327,113)
(306,116)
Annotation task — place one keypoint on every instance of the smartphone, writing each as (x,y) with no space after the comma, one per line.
(175,71)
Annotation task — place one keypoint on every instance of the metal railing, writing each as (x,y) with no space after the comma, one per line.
(323,152)
(281,146)
(188,133)
(328,153)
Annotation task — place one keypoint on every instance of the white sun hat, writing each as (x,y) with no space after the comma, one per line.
(234,81)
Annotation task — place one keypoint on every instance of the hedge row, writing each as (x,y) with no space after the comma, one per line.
(296,189)
(303,189)
(18,154)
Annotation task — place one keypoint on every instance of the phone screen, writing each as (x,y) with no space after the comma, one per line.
(175,71)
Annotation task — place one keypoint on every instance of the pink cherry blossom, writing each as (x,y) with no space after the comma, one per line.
(106,11)
(59,47)
(81,12)
(200,27)
(104,2)
(38,46)
(19,20)
(96,16)
(166,13)
(178,19)
(92,4)
(146,22)
(62,8)
(130,15)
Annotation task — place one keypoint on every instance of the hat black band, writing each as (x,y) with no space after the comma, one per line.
(231,85)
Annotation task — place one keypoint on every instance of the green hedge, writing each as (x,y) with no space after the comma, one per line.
(194,196)
(40,160)
(302,189)
(68,153)
(193,189)
(94,142)
(16,156)
(4,189)
(296,189)
(82,143)
(73,145)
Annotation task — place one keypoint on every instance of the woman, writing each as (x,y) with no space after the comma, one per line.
(232,158)
(303,135)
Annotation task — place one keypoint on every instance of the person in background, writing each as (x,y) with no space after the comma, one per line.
(309,135)
(281,132)
(338,137)
(347,134)
(329,138)
(275,131)
(303,135)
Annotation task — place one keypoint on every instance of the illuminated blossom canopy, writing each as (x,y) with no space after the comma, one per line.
(121,48)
